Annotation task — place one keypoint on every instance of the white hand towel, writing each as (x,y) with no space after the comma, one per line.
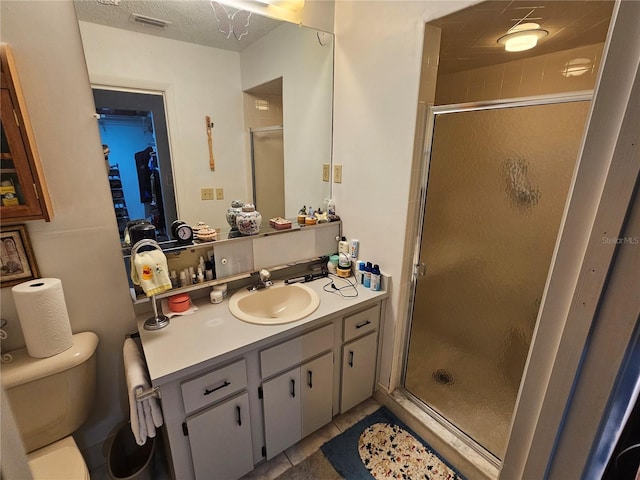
(146,415)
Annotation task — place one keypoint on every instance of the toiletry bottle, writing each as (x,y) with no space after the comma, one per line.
(183,279)
(174,279)
(200,275)
(343,246)
(360,272)
(367,275)
(375,278)
(331,207)
(355,247)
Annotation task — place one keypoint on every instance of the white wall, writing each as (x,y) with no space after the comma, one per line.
(80,246)
(198,81)
(377,74)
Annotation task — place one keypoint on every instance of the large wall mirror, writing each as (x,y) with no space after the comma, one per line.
(258,80)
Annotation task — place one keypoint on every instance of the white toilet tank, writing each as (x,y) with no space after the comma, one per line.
(51,397)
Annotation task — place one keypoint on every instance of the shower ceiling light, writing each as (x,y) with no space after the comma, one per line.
(577,66)
(522,37)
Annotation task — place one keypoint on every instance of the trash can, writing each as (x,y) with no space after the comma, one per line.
(126,460)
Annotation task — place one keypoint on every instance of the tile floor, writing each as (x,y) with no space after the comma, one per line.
(311,444)
(282,462)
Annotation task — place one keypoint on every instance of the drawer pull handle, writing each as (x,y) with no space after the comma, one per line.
(208,392)
(351,358)
(363,324)
(239,416)
(310,378)
(293,388)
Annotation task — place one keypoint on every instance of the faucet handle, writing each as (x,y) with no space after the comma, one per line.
(264,275)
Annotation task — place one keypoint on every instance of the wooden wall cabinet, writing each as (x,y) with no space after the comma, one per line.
(22,187)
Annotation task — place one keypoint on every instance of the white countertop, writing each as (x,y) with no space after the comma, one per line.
(213,333)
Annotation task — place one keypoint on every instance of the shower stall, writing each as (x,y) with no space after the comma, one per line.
(267,166)
(494,190)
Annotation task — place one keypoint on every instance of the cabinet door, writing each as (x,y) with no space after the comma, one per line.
(282,411)
(220,440)
(317,393)
(358,371)
(23,193)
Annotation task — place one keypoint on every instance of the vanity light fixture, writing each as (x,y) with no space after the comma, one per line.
(522,37)
(287,10)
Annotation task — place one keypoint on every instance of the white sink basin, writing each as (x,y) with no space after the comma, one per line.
(275,305)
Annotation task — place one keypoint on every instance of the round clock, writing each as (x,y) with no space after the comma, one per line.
(182,232)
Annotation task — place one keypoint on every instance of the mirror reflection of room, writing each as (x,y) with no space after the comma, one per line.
(199,73)
(129,145)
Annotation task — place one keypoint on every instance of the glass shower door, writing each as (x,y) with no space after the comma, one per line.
(497,185)
(267,162)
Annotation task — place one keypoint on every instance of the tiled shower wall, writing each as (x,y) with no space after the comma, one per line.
(539,75)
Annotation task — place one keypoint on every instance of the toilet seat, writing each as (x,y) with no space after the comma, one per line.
(60,460)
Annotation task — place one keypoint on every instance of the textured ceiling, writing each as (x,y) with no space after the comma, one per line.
(469,37)
(191,21)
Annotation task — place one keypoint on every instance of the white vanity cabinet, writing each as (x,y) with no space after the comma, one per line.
(234,394)
(220,440)
(219,436)
(300,400)
(359,355)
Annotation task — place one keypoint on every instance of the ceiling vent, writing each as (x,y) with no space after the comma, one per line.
(149,21)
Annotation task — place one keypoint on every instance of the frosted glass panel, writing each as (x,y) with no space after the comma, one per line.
(498,181)
(268,172)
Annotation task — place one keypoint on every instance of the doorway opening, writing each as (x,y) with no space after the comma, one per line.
(133,130)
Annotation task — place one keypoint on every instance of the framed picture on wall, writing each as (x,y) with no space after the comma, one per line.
(17,263)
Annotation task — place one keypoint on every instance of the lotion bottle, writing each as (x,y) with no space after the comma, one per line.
(375,278)
(367,275)
(343,246)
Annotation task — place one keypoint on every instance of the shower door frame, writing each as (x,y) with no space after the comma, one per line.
(252,131)
(419,269)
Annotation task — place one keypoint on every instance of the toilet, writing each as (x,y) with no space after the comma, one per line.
(50,398)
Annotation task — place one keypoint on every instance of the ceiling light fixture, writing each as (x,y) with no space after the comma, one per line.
(522,37)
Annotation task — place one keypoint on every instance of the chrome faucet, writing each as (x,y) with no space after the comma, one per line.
(264,281)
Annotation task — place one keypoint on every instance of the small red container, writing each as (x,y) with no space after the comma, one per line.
(179,303)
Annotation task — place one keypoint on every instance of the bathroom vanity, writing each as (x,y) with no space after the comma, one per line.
(234,393)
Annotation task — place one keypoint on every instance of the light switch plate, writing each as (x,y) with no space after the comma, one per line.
(219,193)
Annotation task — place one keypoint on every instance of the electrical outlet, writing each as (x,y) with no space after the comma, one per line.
(337,173)
(206,193)
(219,193)
(326,172)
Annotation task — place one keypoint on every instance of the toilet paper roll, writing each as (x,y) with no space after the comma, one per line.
(43,316)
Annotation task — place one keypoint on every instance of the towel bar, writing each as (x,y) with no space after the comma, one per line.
(153,392)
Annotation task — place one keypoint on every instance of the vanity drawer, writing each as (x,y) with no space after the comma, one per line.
(361,323)
(213,386)
(296,350)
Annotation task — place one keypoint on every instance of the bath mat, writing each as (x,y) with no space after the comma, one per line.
(382,447)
